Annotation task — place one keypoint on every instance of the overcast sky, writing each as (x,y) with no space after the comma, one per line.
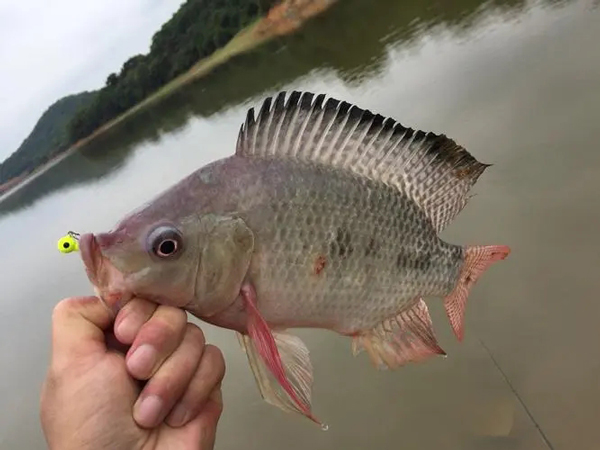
(49,49)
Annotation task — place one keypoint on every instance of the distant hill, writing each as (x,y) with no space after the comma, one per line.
(194,32)
(197,29)
(49,136)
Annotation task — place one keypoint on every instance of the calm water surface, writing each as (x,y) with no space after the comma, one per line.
(518,84)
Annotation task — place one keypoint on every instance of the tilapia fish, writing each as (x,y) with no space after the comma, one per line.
(327,216)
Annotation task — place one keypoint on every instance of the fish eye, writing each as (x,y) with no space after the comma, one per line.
(165,241)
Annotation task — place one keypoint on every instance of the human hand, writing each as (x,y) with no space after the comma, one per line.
(167,395)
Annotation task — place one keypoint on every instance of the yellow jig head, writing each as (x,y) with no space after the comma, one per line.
(69,243)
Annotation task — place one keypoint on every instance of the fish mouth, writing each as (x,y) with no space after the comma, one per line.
(108,281)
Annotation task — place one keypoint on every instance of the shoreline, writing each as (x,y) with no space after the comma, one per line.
(283,18)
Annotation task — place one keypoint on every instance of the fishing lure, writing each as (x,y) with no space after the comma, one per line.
(69,243)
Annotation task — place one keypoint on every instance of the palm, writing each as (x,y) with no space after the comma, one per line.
(110,415)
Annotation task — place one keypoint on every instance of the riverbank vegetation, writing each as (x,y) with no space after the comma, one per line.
(194,32)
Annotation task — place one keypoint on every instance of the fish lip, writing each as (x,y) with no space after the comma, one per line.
(88,247)
(108,281)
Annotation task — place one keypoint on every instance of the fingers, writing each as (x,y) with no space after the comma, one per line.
(207,421)
(156,340)
(171,379)
(210,418)
(78,325)
(183,374)
(205,382)
(201,431)
(131,317)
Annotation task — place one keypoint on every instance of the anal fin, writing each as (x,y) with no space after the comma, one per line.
(477,260)
(279,361)
(407,337)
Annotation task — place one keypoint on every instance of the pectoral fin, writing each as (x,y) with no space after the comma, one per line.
(279,361)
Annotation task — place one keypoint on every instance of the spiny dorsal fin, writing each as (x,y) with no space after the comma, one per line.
(431,169)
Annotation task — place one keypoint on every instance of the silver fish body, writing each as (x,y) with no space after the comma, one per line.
(332,249)
(327,216)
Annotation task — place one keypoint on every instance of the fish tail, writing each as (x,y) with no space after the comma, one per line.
(477,260)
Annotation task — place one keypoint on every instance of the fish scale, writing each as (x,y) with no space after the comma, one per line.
(327,216)
(339,217)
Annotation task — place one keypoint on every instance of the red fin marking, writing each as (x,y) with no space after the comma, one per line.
(261,334)
(407,337)
(477,260)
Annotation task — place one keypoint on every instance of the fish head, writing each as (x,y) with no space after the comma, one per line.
(198,263)
(157,261)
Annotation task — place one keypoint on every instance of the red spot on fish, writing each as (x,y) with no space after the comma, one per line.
(320,264)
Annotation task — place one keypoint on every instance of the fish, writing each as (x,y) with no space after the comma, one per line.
(327,216)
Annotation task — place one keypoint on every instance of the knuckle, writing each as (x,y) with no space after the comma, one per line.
(165,331)
(169,382)
(64,308)
(163,387)
(134,312)
(172,319)
(214,357)
(139,303)
(185,371)
(131,307)
(176,314)
(195,334)
(67,307)
(218,406)
(165,326)
(142,308)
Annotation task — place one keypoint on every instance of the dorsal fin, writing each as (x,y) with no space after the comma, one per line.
(431,169)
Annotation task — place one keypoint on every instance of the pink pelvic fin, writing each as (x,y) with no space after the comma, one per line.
(291,369)
(407,337)
(477,260)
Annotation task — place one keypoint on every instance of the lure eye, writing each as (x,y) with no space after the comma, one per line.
(165,242)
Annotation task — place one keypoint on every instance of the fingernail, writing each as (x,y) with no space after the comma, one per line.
(147,411)
(179,415)
(142,360)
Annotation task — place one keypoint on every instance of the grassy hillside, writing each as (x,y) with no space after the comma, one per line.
(49,136)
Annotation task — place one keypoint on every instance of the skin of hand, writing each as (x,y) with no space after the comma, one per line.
(145,380)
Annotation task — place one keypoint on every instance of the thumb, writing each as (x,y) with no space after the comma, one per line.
(78,326)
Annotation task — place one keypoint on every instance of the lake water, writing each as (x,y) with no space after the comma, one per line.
(518,84)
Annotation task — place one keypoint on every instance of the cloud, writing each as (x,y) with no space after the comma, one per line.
(52,49)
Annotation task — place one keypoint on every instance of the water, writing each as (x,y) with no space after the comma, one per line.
(518,84)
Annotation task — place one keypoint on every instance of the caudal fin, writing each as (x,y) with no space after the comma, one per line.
(477,260)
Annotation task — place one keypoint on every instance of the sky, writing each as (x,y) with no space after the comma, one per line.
(53,48)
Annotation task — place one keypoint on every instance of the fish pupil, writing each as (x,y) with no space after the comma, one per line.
(65,245)
(167,247)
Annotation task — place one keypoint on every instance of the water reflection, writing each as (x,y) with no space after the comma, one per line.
(355,52)
(521,89)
